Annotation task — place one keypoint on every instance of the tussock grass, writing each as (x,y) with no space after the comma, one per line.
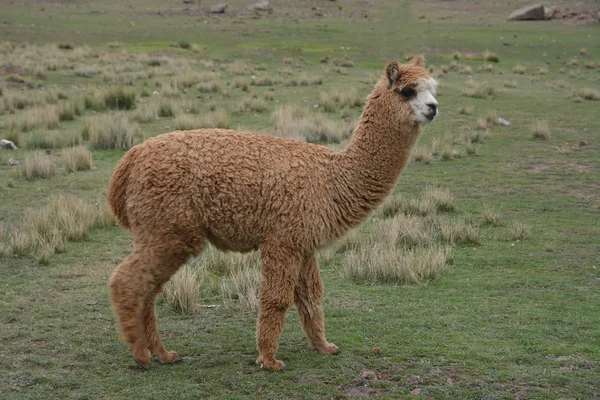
(392,206)
(76,159)
(216,119)
(466,110)
(541,130)
(491,216)
(38,165)
(11,101)
(441,197)
(241,285)
(182,291)
(333,100)
(492,117)
(4,240)
(489,56)
(565,148)
(384,265)
(67,111)
(250,104)
(113,131)
(478,90)
(297,123)
(587,94)
(475,136)
(519,231)
(423,154)
(465,70)
(519,69)
(486,68)
(166,108)
(242,84)
(42,139)
(208,87)
(94,100)
(456,231)
(345,62)
(510,84)
(148,113)
(45,231)
(119,99)
(43,117)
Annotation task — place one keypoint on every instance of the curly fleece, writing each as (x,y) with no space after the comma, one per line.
(242,191)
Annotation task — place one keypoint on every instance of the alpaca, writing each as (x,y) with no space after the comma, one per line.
(241,192)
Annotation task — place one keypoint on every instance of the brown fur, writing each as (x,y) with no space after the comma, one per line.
(242,192)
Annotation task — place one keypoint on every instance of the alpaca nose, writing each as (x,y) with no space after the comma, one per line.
(433,107)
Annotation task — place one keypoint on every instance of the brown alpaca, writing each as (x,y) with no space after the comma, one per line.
(242,192)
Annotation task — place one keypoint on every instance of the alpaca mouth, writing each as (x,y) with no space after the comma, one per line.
(431,116)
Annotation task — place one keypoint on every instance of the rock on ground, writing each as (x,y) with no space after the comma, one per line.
(532,12)
(7,144)
(218,8)
(262,5)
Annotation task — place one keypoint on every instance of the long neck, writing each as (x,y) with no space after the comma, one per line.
(368,168)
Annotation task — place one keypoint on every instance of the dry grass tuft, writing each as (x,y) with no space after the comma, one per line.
(466,110)
(45,117)
(423,154)
(492,117)
(385,265)
(489,56)
(297,123)
(113,131)
(491,216)
(119,99)
(520,69)
(77,159)
(46,231)
(38,165)
(146,114)
(510,84)
(242,283)
(520,231)
(541,130)
(214,119)
(182,291)
(587,94)
(478,90)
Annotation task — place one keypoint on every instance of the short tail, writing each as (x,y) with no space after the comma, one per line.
(117,189)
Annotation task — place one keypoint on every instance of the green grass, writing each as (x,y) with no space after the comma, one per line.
(515,314)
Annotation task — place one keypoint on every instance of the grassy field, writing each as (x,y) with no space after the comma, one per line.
(512,310)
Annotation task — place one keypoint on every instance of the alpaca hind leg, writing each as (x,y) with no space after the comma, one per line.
(129,285)
(168,266)
(279,276)
(307,298)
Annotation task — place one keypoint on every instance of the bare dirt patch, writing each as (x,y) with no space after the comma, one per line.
(579,167)
(537,168)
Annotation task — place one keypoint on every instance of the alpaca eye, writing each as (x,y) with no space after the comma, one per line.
(408,92)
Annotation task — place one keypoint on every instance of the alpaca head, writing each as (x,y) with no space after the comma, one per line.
(410,84)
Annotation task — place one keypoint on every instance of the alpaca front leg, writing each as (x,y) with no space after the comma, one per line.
(279,277)
(307,298)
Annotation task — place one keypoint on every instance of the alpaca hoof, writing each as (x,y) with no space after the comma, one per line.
(144,363)
(170,357)
(273,365)
(329,348)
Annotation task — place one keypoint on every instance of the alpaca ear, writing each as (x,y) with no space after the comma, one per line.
(393,73)
(418,61)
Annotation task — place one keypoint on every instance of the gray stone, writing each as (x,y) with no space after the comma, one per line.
(532,12)
(218,8)
(262,5)
(7,144)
